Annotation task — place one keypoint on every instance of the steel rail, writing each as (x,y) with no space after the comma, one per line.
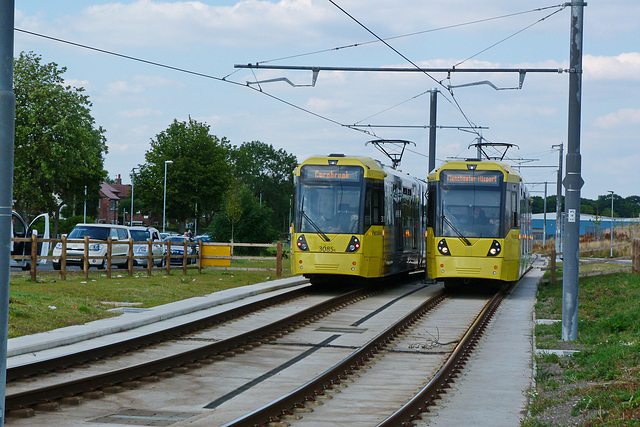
(449,370)
(107,350)
(281,406)
(233,344)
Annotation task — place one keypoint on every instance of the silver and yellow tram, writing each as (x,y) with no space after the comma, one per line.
(356,218)
(479,223)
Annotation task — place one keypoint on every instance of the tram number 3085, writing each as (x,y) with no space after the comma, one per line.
(327,249)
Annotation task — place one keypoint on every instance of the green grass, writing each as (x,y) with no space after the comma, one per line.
(599,385)
(49,302)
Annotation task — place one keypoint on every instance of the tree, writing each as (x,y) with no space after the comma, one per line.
(250,221)
(198,176)
(58,148)
(269,175)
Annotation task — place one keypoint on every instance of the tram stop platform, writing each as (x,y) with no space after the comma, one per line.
(135,321)
(493,388)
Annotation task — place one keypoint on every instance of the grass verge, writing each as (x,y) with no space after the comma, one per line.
(50,303)
(600,384)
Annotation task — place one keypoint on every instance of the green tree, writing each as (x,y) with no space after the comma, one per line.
(198,176)
(269,175)
(58,148)
(252,222)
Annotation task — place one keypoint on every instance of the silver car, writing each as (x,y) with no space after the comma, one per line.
(143,234)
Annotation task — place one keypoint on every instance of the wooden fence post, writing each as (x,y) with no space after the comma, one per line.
(185,260)
(109,253)
(63,259)
(279,259)
(553,266)
(150,260)
(34,254)
(130,259)
(85,263)
(168,260)
(635,261)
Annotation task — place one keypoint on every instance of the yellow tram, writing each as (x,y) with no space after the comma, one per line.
(356,218)
(478,223)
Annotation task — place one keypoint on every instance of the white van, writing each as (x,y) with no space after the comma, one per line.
(96,232)
(20,229)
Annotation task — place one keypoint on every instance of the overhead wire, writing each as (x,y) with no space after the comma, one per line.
(415,33)
(195,73)
(406,59)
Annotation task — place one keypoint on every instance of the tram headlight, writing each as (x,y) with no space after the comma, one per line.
(495,249)
(443,248)
(302,243)
(354,244)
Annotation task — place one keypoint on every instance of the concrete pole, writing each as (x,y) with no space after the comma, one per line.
(573,181)
(7,135)
(432,130)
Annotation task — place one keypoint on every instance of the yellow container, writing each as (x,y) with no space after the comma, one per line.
(216,250)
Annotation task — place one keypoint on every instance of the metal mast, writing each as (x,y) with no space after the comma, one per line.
(573,181)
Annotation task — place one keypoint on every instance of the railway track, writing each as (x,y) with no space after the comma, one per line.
(275,372)
(25,391)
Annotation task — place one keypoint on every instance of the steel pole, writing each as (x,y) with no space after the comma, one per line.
(573,181)
(432,129)
(164,204)
(611,230)
(544,224)
(7,135)
(133,178)
(559,199)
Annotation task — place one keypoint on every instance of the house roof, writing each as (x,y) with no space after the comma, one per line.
(109,192)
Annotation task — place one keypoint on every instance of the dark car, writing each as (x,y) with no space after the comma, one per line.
(177,249)
(201,238)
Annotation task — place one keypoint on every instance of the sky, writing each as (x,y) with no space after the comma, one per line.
(202,41)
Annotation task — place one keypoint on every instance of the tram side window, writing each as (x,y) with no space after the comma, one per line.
(374,205)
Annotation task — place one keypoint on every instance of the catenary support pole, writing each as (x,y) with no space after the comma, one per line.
(432,129)
(7,133)
(544,224)
(559,199)
(573,181)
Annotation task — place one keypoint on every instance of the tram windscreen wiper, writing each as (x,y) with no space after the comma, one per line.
(453,227)
(313,224)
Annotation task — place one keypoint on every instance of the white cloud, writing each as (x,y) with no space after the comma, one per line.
(621,118)
(625,66)
(77,83)
(140,112)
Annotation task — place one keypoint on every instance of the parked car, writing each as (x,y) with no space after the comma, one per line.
(204,238)
(143,234)
(20,229)
(96,232)
(177,249)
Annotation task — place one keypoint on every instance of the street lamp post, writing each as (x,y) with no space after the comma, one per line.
(133,177)
(85,205)
(164,205)
(611,231)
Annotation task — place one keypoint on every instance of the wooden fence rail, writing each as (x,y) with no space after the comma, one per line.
(189,256)
(635,259)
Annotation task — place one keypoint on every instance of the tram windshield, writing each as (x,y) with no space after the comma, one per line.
(329,199)
(469,204)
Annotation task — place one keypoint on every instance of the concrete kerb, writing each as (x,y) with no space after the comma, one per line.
(130,320)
